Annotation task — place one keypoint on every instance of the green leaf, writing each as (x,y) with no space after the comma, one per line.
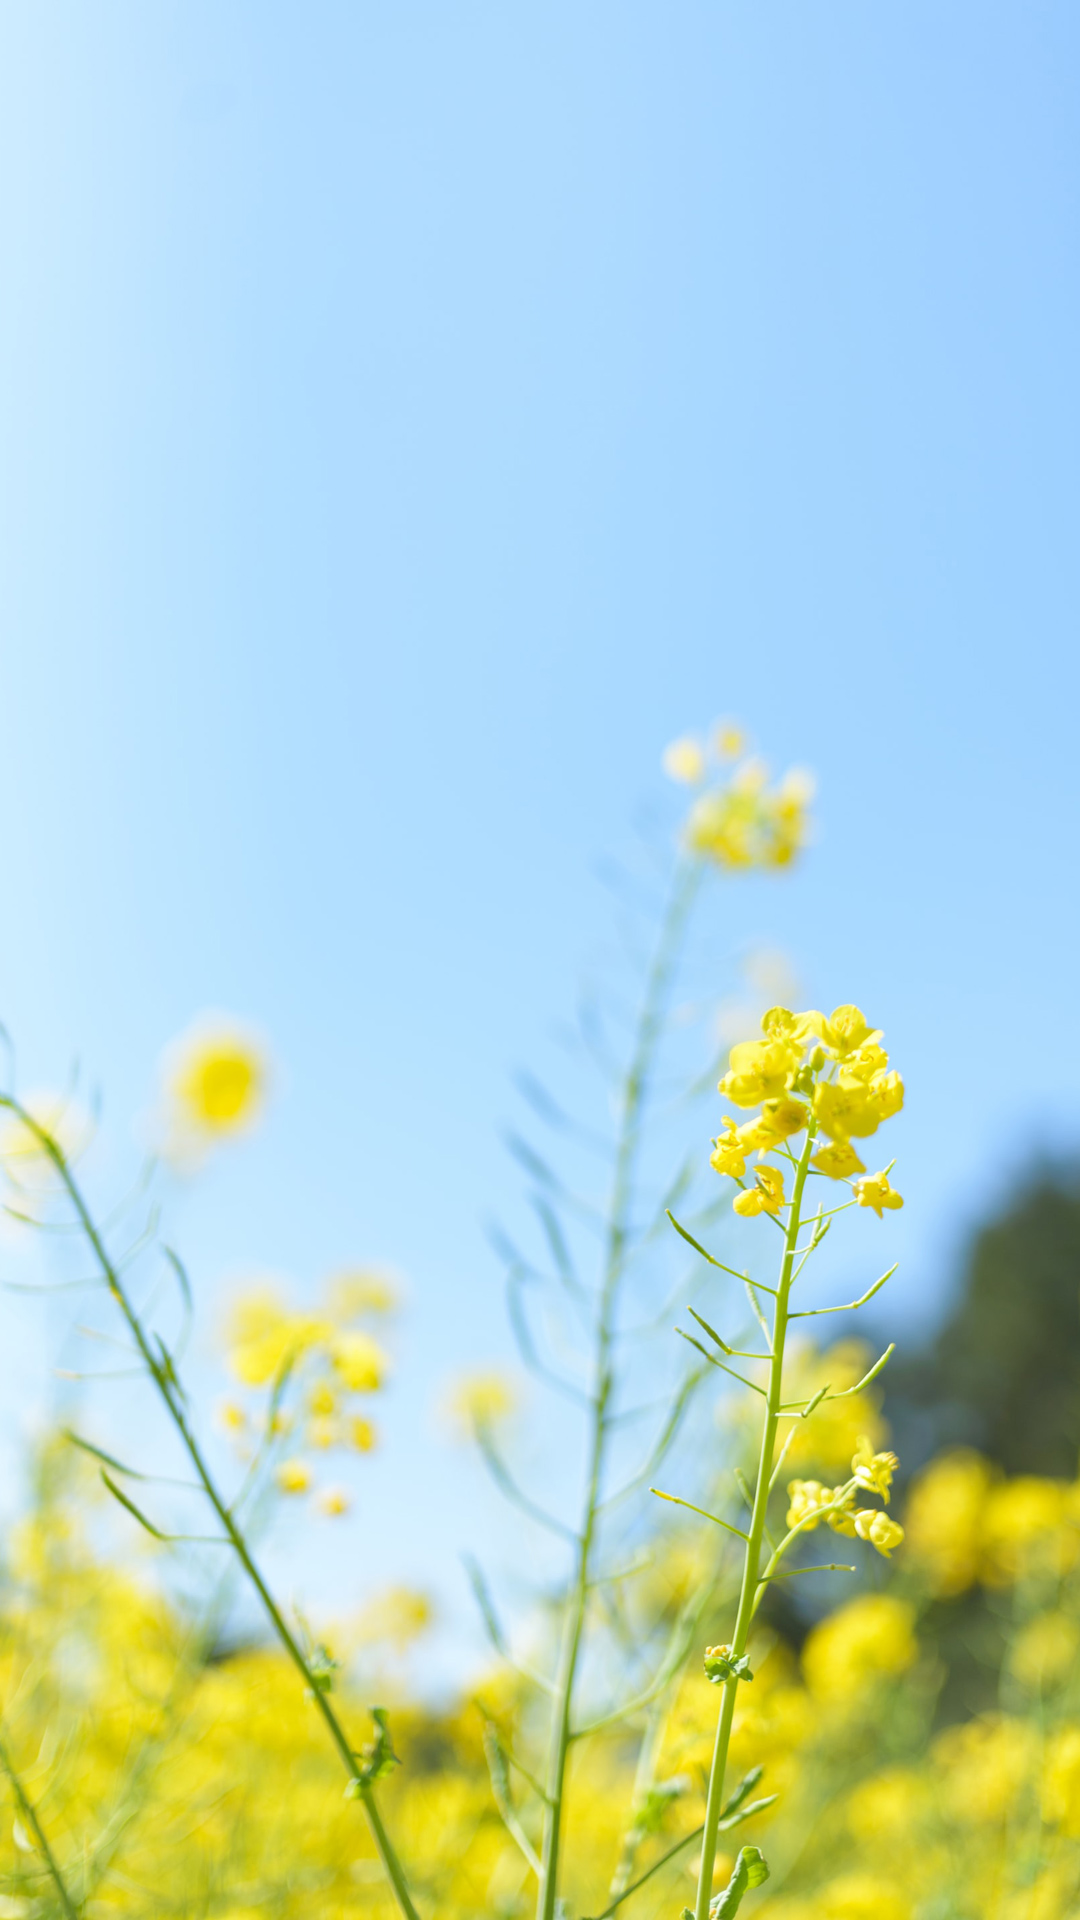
(132,1508)
(751,1870)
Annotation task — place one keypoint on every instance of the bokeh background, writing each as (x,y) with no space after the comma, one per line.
(414,416)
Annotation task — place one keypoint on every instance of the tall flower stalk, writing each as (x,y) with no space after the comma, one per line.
(814,1079)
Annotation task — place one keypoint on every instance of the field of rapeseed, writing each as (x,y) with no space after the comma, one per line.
(687,1733)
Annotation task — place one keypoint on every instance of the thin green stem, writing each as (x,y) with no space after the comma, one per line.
(634,1092)
(752,1562)
(29,1814)
(163,1376)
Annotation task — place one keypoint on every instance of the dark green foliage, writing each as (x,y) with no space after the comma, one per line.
(1003,1373)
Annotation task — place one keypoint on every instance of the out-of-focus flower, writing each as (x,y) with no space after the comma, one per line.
(1061,1781)
(808,1501)
(359,1360)
(398,1615)
(232,1417)
(944,1520)
(1044,1652)
(870,1638)
(745,823)
(730,740)
(828,1439)
(333,1501)
(264,1335)
(1028,1525)
(362,1435)
(293,1476)
(25,1160)
(982,1766)
(889,1805)
(215,1079)
(684,760)
(362,1291)
(482,1399)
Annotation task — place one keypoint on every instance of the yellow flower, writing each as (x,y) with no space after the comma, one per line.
(684,761)
(767,1196)
(482,1399)
(806,1497)
(984,1765)
(779,1120)
(873,1190)
(944,1520)
(362,1435)
(1061,1781)
(216,1077)
(882,1532)
(232,1417)
(294,1476)
(889,1805)
(861,1896)
(873,1471)
(322,1399)
(359,1360)
(730,740)
(1045,1651)
(868,1638)
(321,1433)
(845,1111)
(263,1336)
(397,1615)
(21,1152)
(361,1291)
(839,1161)
(333,1501)
(729,1151)
(1028,1526)
(758,1070)
(829,1437)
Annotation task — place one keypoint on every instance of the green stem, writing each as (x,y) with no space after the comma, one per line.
(748,1596)
(29,1814)
(168,1390)
(634,1090)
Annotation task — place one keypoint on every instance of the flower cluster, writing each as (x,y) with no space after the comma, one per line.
(740,821)
(810,1502)
(831,1076)
(334,1363)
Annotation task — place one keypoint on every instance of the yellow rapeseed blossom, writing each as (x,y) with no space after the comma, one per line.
(882,1532)
(359,1361)
(1028,1525)
(684,760)
(25,1161)
(808,1501)
(362,1435)
(745,823)
(873,1471)
(944,1520)
(889,1805)
(333,1501)
(215,1079)
(1045,1650)
(766,1196)
(861,1896)
(729,1152)
(730,740)
(293,1476)
(482,1399)
(871,1638)
(983,1765)
(874,1191)
(1061,1781)
(829,1438)
(839,1161)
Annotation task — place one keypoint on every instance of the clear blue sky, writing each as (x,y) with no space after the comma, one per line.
(413,416)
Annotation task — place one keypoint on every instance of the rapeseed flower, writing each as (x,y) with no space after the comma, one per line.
(215,1078)
(766,1196)
(874,1191)
(870,1638)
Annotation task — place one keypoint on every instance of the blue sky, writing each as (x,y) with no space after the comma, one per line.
(416,415)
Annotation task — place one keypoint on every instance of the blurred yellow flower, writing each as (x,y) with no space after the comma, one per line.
(1044,1652)
(482,1399)
(293,1476)
(215,1077)
(23,1157)
(944,1520)
(983,1765)
(870,1638)
(398,1615)
(1061,1780)
(360,1362)
(684,760)
(361,1290)
(889,1806)
(829,1437)
(729,740)
(362,1435)
(333,1501)
(1028,1525)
